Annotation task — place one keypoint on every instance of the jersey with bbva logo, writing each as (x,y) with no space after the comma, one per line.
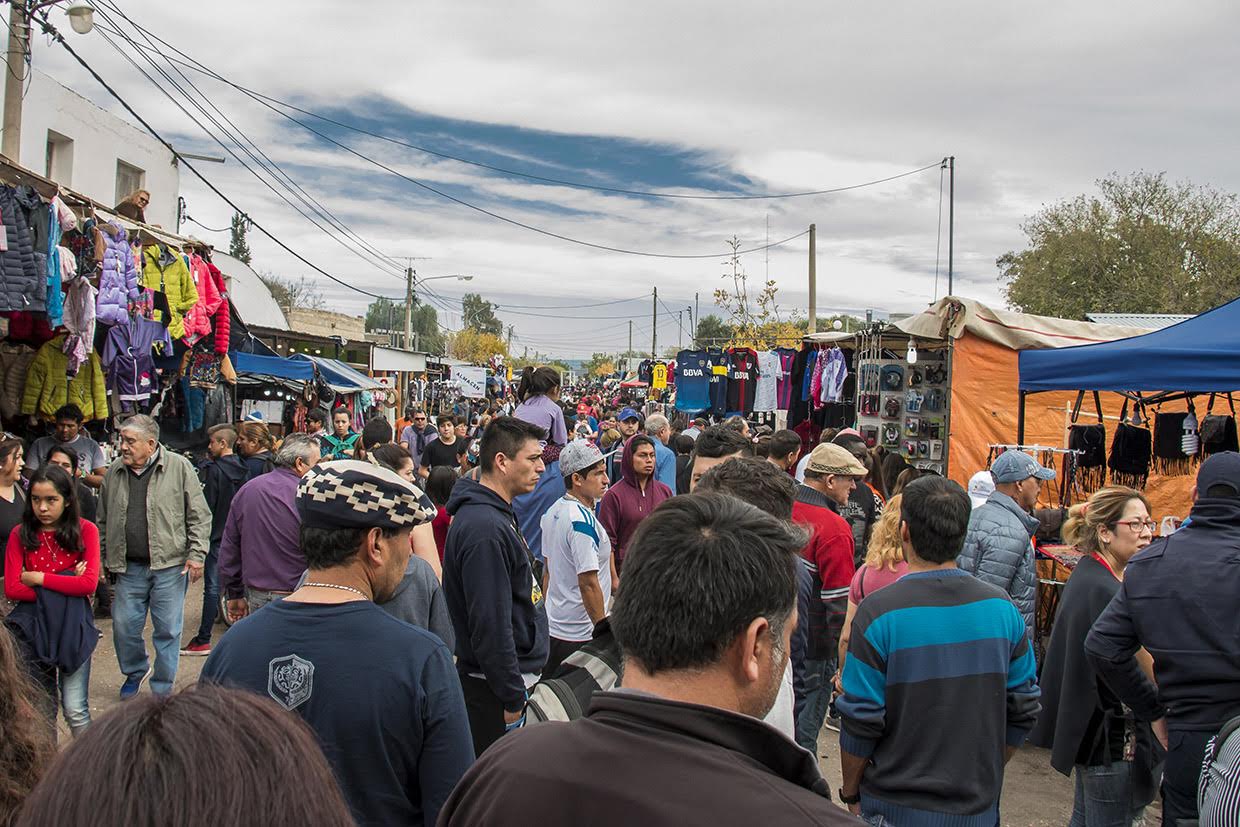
(693,373)
(742,379)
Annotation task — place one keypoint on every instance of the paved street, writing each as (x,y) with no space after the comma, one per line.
(1034,795)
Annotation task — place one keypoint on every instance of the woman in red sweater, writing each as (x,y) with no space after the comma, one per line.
(51,540)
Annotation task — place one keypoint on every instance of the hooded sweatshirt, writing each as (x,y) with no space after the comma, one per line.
(493,597)
(625,504)
(221,478)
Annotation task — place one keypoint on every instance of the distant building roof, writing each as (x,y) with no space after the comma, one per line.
(1145,321)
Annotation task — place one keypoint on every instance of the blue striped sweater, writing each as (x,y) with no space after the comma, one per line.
(939,679)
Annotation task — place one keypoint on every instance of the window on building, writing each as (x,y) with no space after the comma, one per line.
(128,179)
(59,158)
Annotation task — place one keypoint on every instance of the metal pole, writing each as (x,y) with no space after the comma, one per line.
(1020,420)
(15,80)
(951,220)
(812,327)
(680,324)
(629,353)
(697,313)
(408,304)
(654,321)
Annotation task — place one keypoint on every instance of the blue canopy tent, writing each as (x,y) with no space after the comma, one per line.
(341,377)
(1200,355)
(276,366)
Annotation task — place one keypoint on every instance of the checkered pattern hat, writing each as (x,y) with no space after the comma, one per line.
(352,494)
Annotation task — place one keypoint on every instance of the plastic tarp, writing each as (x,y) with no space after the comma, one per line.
(954,316)
(1201,355)
(277,366)
(341,377)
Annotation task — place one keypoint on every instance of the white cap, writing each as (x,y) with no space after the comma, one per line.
(981,486)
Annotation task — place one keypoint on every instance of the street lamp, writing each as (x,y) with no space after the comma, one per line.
(410,277)
(81,18)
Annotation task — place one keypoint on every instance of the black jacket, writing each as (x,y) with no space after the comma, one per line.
(57,629)
(221,478)
(495,602)
(651,762)
(1178,600)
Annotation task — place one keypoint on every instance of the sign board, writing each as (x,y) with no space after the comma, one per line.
(471,381)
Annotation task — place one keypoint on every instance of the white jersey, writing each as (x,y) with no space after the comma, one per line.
(573,543)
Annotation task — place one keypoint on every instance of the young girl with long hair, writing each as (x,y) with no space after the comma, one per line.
(55,549)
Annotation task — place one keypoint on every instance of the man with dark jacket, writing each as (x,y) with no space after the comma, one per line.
(704,657)
(1178,601)
(222,476)
(999,546)
(492,590)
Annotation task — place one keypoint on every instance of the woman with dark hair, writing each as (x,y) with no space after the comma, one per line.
(55,550)
(218,754)
(342,441)
(254,445)
(27,745)
(439,488)
(12,497)
(539,393)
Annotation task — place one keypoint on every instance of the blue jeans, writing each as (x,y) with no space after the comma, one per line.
(818,689)
(162,592)
(195,405)
(1103,796)
(210,595)
(75,697)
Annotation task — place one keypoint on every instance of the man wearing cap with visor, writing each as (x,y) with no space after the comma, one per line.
(578,569)
(1178,601)
(999,546)
(382,696)
(629,422)
(830,477)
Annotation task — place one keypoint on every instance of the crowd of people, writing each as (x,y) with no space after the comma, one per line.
(396,596)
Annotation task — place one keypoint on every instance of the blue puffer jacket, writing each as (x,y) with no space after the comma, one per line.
(118,283)
(999,550)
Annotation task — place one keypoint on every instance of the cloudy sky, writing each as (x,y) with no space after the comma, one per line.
(1036,101)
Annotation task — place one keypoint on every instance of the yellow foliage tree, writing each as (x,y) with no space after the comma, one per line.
(605,369)
(475,347)
(754,320)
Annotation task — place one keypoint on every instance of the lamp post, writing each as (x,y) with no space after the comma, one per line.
(410,276)
(81,18)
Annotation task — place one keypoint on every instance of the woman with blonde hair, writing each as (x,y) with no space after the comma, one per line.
(1082,722)
(884,564)
(133,206)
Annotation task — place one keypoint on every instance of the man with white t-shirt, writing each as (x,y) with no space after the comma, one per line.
(578,568)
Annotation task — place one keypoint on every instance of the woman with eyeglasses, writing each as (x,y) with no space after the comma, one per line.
(1082,722)
(12,497)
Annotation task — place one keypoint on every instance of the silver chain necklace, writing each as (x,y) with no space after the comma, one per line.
(337,586)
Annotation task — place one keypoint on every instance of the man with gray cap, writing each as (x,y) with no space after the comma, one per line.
(1178,601)
(999,546)
(578,569)
(382,696)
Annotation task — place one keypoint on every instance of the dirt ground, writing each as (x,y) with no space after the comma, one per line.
(1034,795)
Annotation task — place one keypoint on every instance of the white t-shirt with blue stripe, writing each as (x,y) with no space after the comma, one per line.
(573,542)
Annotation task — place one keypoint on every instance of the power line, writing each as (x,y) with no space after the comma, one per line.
(202,68)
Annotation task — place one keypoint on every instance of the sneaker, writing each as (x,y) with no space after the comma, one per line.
(195,648)
(833,723)
(133,684)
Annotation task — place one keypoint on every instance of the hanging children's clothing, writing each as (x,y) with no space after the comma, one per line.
(118,281)
(165,271)
(766,396)
(128,357)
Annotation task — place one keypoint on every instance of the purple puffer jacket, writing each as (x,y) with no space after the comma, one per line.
(118,283)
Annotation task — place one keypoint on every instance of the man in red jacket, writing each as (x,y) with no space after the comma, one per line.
(830,476)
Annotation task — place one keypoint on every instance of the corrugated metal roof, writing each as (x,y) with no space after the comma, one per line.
(1145,321)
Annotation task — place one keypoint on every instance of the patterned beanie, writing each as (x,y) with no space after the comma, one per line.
(353,494)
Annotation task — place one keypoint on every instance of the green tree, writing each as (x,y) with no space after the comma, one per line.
(384,314)
(712,332)
(478,314)
(238,247)
(1141,245)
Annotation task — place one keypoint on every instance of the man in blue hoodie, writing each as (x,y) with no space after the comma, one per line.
(490,584)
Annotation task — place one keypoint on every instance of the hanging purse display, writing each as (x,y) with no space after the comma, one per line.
(1088,468)
(1218,432)
(1130,453)
(1170,457)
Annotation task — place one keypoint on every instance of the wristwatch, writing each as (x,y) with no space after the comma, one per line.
(849,799)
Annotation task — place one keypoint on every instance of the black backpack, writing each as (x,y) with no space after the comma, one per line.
(566,695)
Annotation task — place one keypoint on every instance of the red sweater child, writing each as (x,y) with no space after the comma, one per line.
(50,559)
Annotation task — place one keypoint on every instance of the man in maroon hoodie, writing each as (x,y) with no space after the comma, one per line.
(631,500)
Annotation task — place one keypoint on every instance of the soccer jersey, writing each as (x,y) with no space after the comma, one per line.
(742,380)
(765,397)
(783,384)
(718,381)
(693,376)
(573,543)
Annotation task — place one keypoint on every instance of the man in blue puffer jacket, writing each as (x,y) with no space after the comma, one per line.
(999,546)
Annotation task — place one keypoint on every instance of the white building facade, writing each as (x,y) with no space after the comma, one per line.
(83,147)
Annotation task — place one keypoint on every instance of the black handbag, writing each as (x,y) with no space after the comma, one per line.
(1218,432)
(1131,451)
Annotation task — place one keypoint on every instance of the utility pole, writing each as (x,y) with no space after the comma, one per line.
(951,218)
(812,327)
(15,79)
(654,324)
(680,325)
(409,274)
(697,314)
(628,354)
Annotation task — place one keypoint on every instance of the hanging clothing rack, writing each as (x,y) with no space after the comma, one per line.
(1039,448)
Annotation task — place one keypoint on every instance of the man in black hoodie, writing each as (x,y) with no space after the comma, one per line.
(1178,601)
(221,476)
(490,584)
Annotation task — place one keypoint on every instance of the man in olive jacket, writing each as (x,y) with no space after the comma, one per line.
(154,529)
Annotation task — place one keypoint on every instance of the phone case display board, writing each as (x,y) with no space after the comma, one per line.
(903,407)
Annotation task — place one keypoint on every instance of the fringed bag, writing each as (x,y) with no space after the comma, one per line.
(1130,453)
(1218,433)
(1088,446)
(1170,436)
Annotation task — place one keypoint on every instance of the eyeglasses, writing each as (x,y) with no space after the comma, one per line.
(1139,525)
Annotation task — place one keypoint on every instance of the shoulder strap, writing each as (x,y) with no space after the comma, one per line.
(861,583)
(1216,746)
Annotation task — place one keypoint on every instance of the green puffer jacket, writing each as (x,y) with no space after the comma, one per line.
(178,520)
(165,270)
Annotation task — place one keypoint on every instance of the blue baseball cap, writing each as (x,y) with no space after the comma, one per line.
(1014,466)
(629,413)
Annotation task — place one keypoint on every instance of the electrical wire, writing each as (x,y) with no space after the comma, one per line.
(202,68)
(58,38)
(205,227)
